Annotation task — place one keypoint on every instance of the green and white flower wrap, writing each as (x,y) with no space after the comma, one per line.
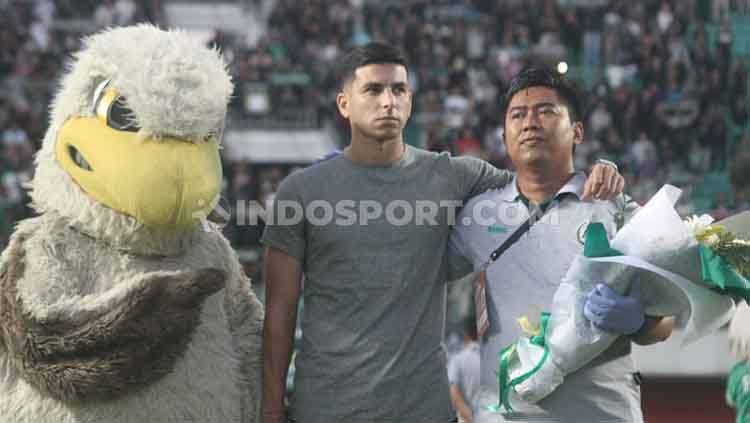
(678,277)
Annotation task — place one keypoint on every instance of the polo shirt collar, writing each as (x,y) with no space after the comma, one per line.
(574,186)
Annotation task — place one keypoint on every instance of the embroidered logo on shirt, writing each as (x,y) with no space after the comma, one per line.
(495,229)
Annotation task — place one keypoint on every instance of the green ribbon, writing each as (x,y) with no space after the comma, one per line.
(507,354)
(597,243)
(736,395)
(716,271)
(504,356)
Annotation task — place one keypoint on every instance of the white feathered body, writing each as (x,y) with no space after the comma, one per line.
(67,272)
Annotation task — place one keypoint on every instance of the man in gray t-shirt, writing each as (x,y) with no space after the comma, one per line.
(374,290)
(369,231)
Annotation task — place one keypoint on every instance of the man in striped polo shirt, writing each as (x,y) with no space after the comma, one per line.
(542,127)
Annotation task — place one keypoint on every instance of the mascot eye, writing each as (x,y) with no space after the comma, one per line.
(111,109)
(119,116)
(78,159)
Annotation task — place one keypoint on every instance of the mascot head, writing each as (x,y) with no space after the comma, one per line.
(131,156)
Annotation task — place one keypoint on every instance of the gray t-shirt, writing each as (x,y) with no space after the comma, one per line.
(523,281)
(374,289)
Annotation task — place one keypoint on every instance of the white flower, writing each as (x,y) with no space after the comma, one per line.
(712,240)
(698,224)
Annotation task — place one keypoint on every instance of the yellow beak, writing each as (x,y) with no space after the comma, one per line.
(167,183)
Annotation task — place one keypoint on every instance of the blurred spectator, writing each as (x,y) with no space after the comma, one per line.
(463,374)
(713,134)
(740,177)
(743,147)
(456,107)
(435,141)
(719,10)
(243,185)
(105,13)
(600,120)
(114,12)
(467,144)
(14,136)
(664,18)
(124,12)
(644,157)
(269,184)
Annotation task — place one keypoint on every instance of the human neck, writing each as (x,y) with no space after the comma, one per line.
(374,152)
(539,185)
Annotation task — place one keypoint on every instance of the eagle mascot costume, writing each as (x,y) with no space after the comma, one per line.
(116,303)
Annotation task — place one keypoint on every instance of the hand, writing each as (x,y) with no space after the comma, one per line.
(604,183)
(739,332)
(612,312)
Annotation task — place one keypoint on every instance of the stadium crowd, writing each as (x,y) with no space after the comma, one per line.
(667,81)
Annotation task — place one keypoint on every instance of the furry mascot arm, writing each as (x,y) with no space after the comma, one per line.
(102,352)
(245,315)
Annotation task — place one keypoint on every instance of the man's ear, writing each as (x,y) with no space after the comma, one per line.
(342,102)
(578,132)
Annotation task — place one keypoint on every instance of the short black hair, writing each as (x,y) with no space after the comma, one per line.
(545,77)
(367,54)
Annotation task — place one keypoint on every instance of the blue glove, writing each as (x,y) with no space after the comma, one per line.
(328,156)
(612,312)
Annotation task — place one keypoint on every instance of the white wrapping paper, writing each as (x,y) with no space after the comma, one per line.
(661,251)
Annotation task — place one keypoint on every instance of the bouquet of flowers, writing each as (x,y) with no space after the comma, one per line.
(687,269)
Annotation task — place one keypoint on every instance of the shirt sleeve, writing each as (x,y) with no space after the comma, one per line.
(285,224)
(461,255)
(475,176)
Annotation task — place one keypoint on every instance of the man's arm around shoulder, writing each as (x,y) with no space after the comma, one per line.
(283,274)
(474,176)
